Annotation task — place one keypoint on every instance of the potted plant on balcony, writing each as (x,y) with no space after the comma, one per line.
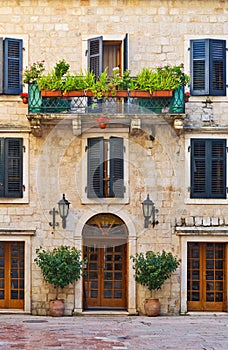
(152,270)
(60,267)
(24,97)
(76,85)
(30,76)
(52,84)
(159,82)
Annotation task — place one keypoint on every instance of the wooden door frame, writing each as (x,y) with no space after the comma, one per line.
(131,250)
(186,235)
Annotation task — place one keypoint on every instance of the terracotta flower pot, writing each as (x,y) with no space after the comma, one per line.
(102,125)
(56,307)
(152,307)
(25,100)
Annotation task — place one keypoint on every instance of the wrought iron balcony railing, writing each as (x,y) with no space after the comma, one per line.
(38,104)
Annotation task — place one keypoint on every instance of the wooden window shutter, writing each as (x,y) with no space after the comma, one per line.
(217,67)
(125,53)
(116,167)
(13,167)
(199,67)
(1,65)
(198,168)
(218,168)
(95,187)
(2,167)
(95,54)
(13,66)
(208,67)
(208,168)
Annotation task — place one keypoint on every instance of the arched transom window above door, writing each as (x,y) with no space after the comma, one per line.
(105,230)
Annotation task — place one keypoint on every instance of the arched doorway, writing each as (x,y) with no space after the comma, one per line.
(105,246)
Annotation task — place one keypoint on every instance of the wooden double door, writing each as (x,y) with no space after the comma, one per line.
(105,280)
(207,277)
(12,275)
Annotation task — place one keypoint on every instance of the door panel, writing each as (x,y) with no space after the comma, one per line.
(105,281)
(12,275)
(206,277)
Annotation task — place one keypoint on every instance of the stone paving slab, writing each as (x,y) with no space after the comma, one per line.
(26,332)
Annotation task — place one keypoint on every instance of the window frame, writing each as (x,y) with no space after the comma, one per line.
(84,171)
(188,199)
(25,179)
(207,58)
(187,39)
(123,38)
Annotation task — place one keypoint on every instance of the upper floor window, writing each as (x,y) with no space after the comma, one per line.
(208,67)
(107,54)
(208,168)
(11,66)
(105,168)
(11,167)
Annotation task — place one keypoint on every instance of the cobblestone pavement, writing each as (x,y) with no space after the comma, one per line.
(138,332)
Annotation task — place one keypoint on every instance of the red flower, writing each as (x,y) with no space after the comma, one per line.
(102,120)
(23,95)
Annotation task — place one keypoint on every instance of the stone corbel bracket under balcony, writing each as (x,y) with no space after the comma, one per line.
(135,124)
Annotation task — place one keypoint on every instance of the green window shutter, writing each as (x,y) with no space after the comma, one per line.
(95,187)
(116,167)
(13,167)
(2,167)
(208,67)
(208,168)
(13,66)
(1,65)
(95,55)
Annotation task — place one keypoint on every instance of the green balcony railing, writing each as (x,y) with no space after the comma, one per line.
(116,105)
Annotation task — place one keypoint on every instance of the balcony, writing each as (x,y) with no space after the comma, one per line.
(43,108)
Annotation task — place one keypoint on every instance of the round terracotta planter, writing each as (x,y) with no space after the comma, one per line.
(102,125)
(25,100)
(56,307)
(152,307)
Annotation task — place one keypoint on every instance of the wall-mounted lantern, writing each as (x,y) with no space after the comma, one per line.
(149,211)
(63,206)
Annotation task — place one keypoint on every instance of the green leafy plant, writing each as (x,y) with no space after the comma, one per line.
(50,82)
(100,88)
(60,266)
(61,68)
(153,269)
(161,78)
(33,72)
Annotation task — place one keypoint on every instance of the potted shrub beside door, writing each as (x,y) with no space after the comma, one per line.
(60,267)
(152,270)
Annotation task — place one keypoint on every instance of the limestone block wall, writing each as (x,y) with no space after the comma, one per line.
(158,32)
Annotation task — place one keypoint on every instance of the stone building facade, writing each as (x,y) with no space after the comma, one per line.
(158,158)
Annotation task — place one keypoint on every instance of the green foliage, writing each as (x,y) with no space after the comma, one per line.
(162,78)
(60,266)
(61,68)
(33,72)
(50,82)
(153,269)
(149,79)
(100,88)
